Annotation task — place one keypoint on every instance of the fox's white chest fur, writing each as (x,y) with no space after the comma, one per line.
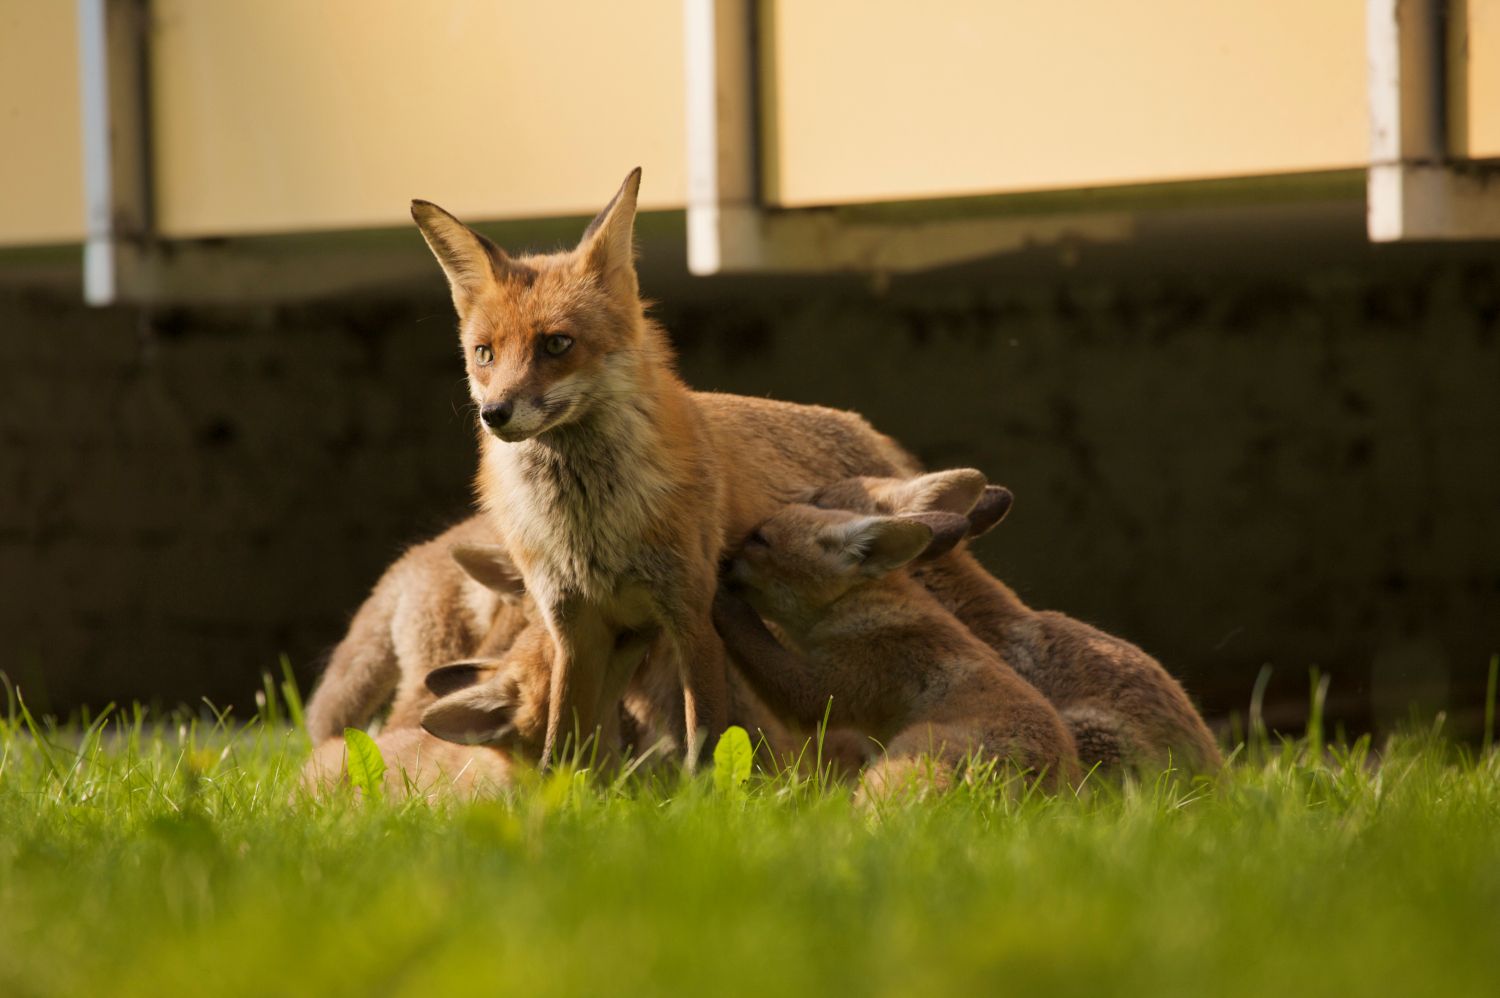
(581,506)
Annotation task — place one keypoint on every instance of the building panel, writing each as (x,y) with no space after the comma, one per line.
(285,116)
(871,100)
(41,165)
(1482,103)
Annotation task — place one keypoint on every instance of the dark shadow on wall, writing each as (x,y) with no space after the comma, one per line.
(1294,468)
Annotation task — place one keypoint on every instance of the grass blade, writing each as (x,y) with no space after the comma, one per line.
(1489,703)
(43,746)
(292,695)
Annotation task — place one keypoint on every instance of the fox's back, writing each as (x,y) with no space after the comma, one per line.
(771,452)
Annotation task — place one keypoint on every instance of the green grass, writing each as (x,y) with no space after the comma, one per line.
(165,858)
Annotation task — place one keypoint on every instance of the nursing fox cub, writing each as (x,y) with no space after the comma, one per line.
(878,653)
(440,602)
(1122,708)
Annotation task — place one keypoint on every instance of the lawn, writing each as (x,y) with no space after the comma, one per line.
(176,857)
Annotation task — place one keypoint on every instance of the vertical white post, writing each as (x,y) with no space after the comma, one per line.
(116,179)
(723,211)
(1416,188)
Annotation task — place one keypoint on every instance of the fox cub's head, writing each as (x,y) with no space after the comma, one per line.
(548,336)
(804,559)
(499,701)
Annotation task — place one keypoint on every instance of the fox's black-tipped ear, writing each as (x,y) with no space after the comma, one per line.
(470,261)
(608,244)
(490,566)
(948,530)
(990,510)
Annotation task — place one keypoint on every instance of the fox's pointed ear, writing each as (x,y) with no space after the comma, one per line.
(470,261)
(490,566)
(880,544)
(990,510)
(455,676)
(954,491)
(473,715)
(948,530)
(608,244)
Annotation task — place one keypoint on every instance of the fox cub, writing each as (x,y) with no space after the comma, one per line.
(1123,709)
(880,654)
(456,595)
(496,699)
(439,602)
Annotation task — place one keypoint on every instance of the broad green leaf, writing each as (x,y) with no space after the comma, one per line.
(364,762)
(732,759)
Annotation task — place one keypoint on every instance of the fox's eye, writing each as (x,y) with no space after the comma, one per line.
(757,539)
(483,355)
(557,344)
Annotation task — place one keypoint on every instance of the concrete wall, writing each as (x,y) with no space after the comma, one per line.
(1295,466)
(186,496)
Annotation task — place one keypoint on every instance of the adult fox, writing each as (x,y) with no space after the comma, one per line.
(613,486)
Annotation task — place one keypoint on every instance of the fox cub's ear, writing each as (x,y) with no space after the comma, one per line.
(446,679)
(948,530)
(490,566)
(471,262)
(875,545)
(608,244)
(990,509)
(474,714)
(954,491)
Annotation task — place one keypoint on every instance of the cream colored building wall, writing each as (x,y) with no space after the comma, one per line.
(1484,79)
(41,137)
(871,100)
(285,115)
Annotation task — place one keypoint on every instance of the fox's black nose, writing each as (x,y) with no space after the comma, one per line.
(497,414)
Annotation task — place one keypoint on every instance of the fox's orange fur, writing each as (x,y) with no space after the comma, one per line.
(876,651)
(613,486)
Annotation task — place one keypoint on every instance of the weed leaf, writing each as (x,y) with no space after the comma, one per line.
(363,760)
(732,758)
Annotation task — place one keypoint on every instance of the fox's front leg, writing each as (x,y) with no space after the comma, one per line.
(579,672)
(705,687)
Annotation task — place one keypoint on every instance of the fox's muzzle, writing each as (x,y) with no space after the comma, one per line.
(497,414)
(515,418)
